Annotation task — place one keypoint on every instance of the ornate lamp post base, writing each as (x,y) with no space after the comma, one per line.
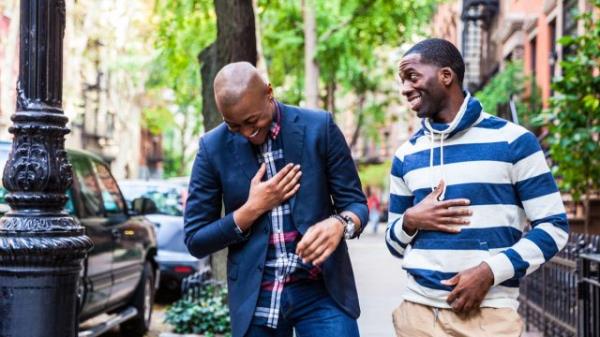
(41,247)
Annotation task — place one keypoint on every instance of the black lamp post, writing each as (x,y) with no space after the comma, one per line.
(41,246)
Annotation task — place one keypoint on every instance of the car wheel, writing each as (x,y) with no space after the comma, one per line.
(143,299)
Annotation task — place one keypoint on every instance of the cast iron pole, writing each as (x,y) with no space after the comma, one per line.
(41,246)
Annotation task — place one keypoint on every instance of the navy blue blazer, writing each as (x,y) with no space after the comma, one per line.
(221,175)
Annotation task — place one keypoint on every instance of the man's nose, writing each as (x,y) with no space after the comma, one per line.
(406,89)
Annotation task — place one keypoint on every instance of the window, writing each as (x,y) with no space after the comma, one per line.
(168,198)
(91,200)
(533,56)
(111,196)
(569,24)
(553,52)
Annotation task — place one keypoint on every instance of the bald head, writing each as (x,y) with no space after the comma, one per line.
(236,80)
(245,100)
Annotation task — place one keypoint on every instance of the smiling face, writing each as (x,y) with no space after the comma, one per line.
(422,85)
(252,115)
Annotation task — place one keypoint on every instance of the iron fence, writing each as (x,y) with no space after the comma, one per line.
(552,298)
(192,285)
(589,291)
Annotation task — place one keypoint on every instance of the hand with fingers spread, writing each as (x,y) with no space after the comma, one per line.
(470,287)
(266,195)
(432,214)
(320,241)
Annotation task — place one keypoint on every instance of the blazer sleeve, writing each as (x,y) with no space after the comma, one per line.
(343,180)
(206,231)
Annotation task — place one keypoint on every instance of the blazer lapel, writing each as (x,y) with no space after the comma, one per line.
(292,133)
(244,154)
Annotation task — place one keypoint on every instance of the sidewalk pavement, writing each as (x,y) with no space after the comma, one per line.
(380,281)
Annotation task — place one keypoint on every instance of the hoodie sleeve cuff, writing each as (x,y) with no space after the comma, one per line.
(501,267)
(400,234)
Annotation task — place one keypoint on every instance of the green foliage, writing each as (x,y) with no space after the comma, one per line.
(156,119)
(375,174)
(575,110)
(502,87)
(355,40)
(204,314)
(511,82)
(184,28)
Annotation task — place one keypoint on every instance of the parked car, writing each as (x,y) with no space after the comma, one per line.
(120,274)
(173,257)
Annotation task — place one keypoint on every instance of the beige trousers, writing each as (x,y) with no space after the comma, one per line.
(417,320)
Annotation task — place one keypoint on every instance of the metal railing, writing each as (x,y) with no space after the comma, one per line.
(589,294)
(552,299)
(192,285)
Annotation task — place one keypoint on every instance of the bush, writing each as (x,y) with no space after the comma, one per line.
(575,112)
(205,312)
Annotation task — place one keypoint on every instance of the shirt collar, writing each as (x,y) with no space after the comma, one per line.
(276,124)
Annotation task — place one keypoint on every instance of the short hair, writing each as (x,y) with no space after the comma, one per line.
(441,53)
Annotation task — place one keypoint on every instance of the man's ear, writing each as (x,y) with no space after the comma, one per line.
(270,91)
(446,76)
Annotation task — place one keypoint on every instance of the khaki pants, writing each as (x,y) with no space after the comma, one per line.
(417,320)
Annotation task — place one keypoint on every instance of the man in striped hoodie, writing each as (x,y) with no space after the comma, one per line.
(463,191)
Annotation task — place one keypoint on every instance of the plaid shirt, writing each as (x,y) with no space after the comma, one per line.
(282,265)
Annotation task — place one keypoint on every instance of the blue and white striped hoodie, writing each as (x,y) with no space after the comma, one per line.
(501,169)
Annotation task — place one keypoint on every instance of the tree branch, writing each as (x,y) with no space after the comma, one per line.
(360,10)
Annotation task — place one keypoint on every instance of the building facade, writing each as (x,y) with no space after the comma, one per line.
(9,62)
(106,45)
(490,33)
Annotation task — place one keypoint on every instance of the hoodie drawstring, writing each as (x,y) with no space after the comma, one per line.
(431,181)
(431,175)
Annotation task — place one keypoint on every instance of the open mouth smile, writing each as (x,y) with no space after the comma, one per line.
(414,102)
(255,133)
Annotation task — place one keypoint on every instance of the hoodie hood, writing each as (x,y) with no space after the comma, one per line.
(467,115)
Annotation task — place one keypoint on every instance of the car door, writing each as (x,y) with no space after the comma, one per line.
(85,195)
(128,254)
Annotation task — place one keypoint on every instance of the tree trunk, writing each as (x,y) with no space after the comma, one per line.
(330,103)
(182,145)
(236,41)
(360,119)
(311,68)
(261,63)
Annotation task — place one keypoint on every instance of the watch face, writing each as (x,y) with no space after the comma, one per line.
(350,226)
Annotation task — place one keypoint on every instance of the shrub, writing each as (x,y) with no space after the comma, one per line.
(202,311)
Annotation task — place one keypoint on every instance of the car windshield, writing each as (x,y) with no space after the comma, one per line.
(168,199)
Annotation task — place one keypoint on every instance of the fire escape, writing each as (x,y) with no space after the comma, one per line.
(477,47)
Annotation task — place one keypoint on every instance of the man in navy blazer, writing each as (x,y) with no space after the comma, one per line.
(292,196)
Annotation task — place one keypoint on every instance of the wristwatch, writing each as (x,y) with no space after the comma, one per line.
(349,225)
